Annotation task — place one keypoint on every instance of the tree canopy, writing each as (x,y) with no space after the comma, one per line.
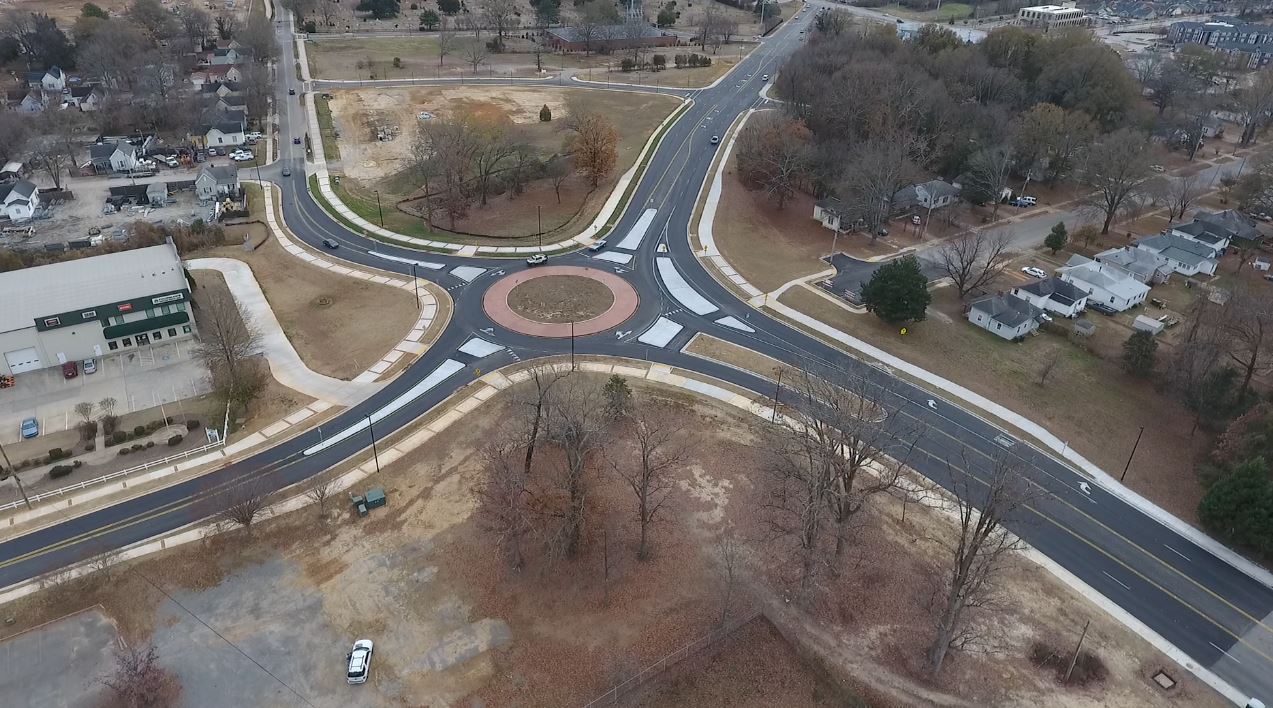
(898,291)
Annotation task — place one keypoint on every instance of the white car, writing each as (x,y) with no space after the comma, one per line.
(360,661)
(253,136)
(1034,272)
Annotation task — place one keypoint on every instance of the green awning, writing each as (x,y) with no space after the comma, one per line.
(147,325)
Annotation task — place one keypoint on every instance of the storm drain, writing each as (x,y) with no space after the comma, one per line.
(1164,681)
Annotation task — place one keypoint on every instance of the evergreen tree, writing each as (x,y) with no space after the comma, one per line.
(898,291)
(1057,238)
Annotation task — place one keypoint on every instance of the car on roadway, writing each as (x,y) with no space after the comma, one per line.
(764,77)
(716,140)
(1034,272)
(330,244)
(296,141)
(30,428)
(537,259)
(70,370)
(597,246)
(360,661)
(1025,201)
(287,172)
(90,366)
(291,92)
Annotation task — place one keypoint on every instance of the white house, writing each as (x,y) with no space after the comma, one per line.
(224,133)
(33,102)
(113,157)
(1182,255)
(1203,233)
(224,57)
(1008,316)
(19,200)
(216,181)
(933,194)
(52,80)
(827,212)
(1108,285)
(86,98)
(1141,265)
(1054,295)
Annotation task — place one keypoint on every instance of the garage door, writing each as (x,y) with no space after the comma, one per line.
(23,360)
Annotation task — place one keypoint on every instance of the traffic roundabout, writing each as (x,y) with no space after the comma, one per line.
(560,301)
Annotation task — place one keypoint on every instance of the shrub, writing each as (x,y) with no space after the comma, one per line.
(192,424)
(627,65)
(109,424)
(397,62)
(138,446)
(169,420)
(660,62)
(545,114)
(56,454)
(118,437)
(78,463)
(150,444)
(1088,669)
(90,447)
(60,471)
(139,431)
(88,430)
(154,425)
(124,451)
(174,441)
(311,26)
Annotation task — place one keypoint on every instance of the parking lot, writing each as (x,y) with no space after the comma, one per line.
(141,378)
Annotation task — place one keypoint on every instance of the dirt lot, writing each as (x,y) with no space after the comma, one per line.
(454,625)
(369,164)
(318,309)
(560,298)
(1091,403)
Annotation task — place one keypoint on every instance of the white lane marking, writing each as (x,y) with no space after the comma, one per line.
(1176,552)
(1085,487)
(1125,585)
(735,323)
(400,259)
(1225,652)
(932,404)
(681,291)
(633,240)
(613,257)
(661,333)
(440,374)
(467,273)
(479,347)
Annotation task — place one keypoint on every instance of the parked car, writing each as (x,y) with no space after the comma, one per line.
(536,259)
(70,370)
(597,246)
(330,244)
(296,141)
(764,77)
(1034,272)
(360,661)
(1024,202)
(30,428)
(90,367)
(916,220)
(254,135)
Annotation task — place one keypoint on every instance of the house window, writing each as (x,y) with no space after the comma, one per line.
(185,328)
(52,322)
(89,315)
(998,326)
(112,345)
(128,342)
(156,336)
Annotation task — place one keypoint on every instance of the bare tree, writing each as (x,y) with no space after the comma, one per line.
(139,680)
(560,170)
(84,409)
(48,155)
(728,553)
(107,405)
(242,503)
(475,54)
(504,501)
(975,259)
(661,448)
(103,565)
(445,40)
(978,552)
(1118,169)
(536,404)
(318,491)
(773,156)
(593,144)
(1179,193)
(226,339)
(1246,323)
(876,171)
(575,423)
(1048,364)
(1254,103)
(502,15)
(493,145)
(988,173)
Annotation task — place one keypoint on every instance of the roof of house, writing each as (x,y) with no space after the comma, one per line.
(82,91)
(24,188)
(1008,310)
(30,293)
(935,188)
(1105,277)
(1232,221)
(1133,260)
(1177,248)
(219,69)
(13,166)
(223,174)
(226,127)
(1055,289)
(1202,231)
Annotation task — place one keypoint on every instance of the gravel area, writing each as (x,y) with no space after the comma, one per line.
(560,298)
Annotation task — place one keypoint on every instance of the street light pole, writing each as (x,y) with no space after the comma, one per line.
(572,345)
(1129,457)
(415,280)
(539,212)
(374,453)
(773,416)
(380,209)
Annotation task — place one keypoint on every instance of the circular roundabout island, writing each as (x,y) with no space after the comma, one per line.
(543,302)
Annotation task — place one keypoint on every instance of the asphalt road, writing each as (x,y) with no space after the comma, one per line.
(1215,614)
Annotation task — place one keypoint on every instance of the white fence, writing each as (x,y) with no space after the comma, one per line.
(108,477)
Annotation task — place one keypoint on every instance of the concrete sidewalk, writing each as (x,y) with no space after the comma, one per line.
(286,365)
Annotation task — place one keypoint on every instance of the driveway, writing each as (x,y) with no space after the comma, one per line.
(137,379)
(851,274)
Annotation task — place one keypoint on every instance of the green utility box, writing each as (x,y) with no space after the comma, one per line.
(375,497)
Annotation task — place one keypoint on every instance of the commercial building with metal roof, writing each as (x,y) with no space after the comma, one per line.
(88,307)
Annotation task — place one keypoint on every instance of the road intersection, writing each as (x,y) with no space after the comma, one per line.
(1219,617)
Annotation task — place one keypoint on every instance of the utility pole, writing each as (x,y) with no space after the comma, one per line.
(14,473)
(1074,659)
(374,453)
(773,416)
(539,212)
(572,345)
(415,280)
(380,209)
(1129,457)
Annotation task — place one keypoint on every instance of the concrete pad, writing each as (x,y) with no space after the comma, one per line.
(58,664)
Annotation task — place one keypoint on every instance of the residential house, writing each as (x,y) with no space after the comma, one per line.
(216,181)
(12,171)
(933,194)
(1008,316)
(86,98)
(1203,233)
(828,211)
(220,88)
(33,102)
(1111,286)
(19,200)
(1141,265)
(1236,224)
(1053,295)
(225,56)
(1183,255)
(118,156)
(52,80)
(217,74)
(223,133)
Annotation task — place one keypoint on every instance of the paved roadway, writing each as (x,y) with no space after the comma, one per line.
(1217,615)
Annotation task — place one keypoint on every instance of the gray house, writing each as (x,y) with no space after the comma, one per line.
(1008,316)
(1054,295)
(216,181)
(933,194)
(1141,265)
